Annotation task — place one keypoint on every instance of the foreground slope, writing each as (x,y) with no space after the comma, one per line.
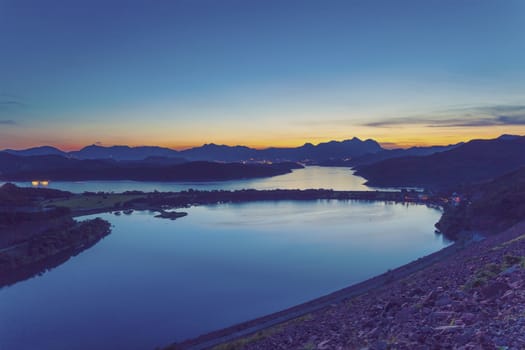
(471,297)
(474,299)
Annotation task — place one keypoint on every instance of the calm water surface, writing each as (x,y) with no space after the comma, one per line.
(336,178)
(154,281)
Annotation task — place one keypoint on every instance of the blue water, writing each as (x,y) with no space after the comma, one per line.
(155,281)
(336,178)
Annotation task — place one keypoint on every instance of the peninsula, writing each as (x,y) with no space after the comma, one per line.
(35,238)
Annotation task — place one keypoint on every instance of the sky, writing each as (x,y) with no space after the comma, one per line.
(259,73)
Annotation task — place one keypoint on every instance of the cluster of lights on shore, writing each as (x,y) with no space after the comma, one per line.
(39,183)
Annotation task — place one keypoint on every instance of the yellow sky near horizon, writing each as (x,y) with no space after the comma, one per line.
(400,136)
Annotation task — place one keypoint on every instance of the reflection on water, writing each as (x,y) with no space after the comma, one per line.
(337,178)
(155,281)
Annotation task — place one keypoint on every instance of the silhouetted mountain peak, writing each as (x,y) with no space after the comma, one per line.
(507,137)
(216,152)
(371,141)
(93,146)
(214,146)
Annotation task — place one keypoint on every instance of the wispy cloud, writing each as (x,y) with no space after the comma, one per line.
(10,107)
(11,103)
(474,116)
(494,109)
(7,122)
(11,100)
(490,121)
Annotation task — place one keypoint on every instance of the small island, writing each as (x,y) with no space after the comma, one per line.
(172,215)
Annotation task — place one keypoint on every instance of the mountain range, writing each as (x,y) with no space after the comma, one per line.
(363,151)
(436,167)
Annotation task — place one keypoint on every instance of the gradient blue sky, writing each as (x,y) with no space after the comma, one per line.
(182,73)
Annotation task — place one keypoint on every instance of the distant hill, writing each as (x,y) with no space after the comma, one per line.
(123,152)
(333,150)
(324,151)
(11,195)
(159,161)
(37,151)
(508,137)
(399,152)
(221,153)
(499,203)
(472,162)
(12,164)
(306,153)
(19,168)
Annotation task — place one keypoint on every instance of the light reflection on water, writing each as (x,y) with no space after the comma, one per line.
(336,178)
(154,281)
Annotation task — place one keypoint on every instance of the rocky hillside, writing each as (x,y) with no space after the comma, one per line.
(472,300)
(489,207)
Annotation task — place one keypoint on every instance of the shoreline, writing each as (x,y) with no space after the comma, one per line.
(96,203)
(471,299)
(102,202)
(250,327)
(49,249)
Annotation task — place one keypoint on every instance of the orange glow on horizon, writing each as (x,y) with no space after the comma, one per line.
(386,143)
(399,137)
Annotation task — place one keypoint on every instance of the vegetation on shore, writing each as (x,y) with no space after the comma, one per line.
(41,252)
(93,201)
(34,238)
(153,200)
(172,215)
(487,208)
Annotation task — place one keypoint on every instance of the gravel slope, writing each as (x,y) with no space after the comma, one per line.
(474,299)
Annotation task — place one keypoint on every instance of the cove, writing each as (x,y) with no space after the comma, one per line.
(153,281)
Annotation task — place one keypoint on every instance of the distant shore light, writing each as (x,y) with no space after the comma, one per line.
(35,183)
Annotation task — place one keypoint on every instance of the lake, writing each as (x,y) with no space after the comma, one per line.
(154,281)
(336,178)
